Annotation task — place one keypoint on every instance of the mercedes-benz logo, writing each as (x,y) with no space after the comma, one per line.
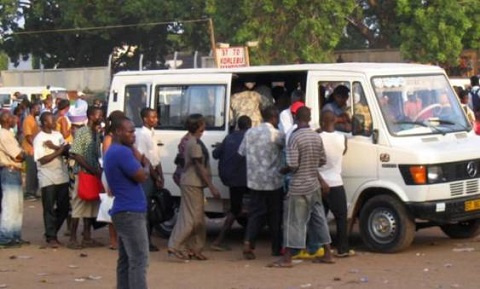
(472,169)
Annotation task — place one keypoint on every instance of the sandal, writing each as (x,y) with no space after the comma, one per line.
(74,245)
(177,254)
(279,264)
(220,247)
(322,260)
(249,255)
(91,243)
(197,256)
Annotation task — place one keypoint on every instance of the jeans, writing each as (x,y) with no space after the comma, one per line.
(148,188)
(265,203)
(336,201)
(305,215)
(132,260)
(12,206)
(31,178)
(56,204)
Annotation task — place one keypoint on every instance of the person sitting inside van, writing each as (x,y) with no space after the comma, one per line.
(337,104)
(412,106)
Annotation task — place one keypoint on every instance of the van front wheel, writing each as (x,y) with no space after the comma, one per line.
(462,230)
(386,225)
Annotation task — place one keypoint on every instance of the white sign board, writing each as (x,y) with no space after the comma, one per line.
(232,57)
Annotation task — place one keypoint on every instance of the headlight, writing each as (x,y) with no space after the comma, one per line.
(422,174)
(435,174)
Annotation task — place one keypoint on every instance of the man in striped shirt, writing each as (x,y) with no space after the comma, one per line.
(304,210)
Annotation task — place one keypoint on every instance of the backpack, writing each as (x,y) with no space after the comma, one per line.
(160,208)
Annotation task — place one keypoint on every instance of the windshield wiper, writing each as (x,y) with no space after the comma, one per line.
(448,122)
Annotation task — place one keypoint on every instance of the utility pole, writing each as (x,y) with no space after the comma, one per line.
(212,40)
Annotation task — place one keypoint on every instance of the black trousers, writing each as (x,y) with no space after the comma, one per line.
(265,204)
(55,202)
(336,202)
(236,199)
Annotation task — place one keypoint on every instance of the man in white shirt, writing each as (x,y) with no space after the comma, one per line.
(335,146)
(146,144)
(49,147)
(286,116)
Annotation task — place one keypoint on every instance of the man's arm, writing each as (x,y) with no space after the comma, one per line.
(48,158)
(83,163)
(141,174)
(202,172)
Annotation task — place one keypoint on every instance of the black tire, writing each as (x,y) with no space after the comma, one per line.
(462,230)
(165,229)
(386,226)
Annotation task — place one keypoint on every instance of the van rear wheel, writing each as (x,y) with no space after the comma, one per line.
(385,225)
(462,230)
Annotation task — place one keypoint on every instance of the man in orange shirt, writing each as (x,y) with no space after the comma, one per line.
(30,130)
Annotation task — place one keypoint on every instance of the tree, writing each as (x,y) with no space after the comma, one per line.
(93,47)
(288,31)
(432,31)
(375,22)
(424,30)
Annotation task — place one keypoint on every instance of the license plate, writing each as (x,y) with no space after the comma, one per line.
(472,205)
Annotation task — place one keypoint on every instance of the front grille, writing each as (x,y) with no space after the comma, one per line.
(466,187)
(456,189)
(471,187)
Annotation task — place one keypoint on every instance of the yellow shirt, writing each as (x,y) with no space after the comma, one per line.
(30,127)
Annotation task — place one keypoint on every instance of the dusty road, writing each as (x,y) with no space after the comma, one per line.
(433,261)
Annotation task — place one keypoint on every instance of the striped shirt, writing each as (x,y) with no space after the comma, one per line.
(305,154)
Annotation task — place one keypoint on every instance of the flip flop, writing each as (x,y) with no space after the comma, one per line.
(323,261)
(198,257)
(249,255)
(220,248)
(91,243)
(177,254)
(279,264)
(74,245)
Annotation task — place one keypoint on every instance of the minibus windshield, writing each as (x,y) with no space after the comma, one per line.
(419,105)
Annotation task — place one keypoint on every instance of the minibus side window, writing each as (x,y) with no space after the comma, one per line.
(328,102)
(362,118)
(135,99)
(175,103)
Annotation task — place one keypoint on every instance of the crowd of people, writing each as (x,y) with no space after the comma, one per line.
(291,173)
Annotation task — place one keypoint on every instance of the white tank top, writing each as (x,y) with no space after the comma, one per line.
(334,144)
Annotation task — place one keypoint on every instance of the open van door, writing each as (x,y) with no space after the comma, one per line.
(355,171)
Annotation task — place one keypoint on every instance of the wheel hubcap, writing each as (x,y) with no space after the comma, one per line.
(382,225)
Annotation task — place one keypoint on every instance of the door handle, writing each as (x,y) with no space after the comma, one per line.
(160,144)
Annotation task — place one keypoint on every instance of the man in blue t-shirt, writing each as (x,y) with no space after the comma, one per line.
(125,170)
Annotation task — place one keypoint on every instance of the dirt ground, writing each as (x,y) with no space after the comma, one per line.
(433,261)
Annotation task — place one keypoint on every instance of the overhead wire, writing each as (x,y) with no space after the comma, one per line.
(108,27)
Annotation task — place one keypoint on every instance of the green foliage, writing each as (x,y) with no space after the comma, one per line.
(288,31)
(3,61)
(93,47)
(432,31)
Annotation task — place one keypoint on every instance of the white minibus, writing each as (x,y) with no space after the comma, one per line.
(402,172)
